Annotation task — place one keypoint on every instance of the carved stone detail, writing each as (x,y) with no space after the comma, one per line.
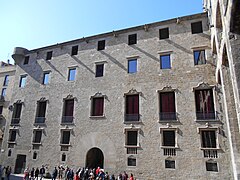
(167,89)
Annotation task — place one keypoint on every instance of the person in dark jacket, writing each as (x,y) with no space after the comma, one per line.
(54,174)
(36,173)
(42,172)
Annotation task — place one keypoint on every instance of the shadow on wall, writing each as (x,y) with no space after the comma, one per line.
(82,64)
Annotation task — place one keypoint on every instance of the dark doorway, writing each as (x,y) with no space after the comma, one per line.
(94,158)
(20,164)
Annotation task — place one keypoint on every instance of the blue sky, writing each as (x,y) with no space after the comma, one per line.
(33,24)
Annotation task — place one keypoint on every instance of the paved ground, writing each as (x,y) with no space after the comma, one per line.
(18,177)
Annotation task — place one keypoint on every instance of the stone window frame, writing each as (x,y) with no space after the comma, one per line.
(64,129)
(131,157)
(164,53)
(206,86)
(9,153)
(132,39)
(217,135)
(75,67)
(35,155)
(167,89)
(170,159)
(13,109)
(169,128)
(98,95)
(104,67)
(43,77)
(11,129)
(101,45)
(6,80)
(23,76)
(42,99)
(211,161)
(26,60)
(49,55)
(61,157)
(193,26)
(34,135)
(68,97)
(74,50)
(164,29)
(132,128)
(129,93)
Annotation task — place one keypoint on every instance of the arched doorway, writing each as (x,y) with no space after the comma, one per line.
(94,158)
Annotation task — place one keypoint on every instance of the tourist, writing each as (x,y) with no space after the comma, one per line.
(54,174)
(36,173)
(131,177)
(26,174)
(112,177)
(8,171)
(42,172)
(124,176)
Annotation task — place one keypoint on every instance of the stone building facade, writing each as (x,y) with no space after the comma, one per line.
(147,100)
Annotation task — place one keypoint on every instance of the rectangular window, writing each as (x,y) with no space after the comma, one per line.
(165,62)
(41,112)
(99,70)
(168,138)
(65,137)
(74,50)
(204,104)
(97,106)
(199,57)
(23,80)
(37,136)
(49,55)
(46,77)
(209,139)
(132,108)
(212,166)
(6,80)
(170,164)
(12,135)
(132,138)
(1,110)
(16,113)
(71,74)
(132,39)
(101,45)
(131,161)
(132,66)
(164,33)
(68,111)
(26,60)
(167,106)
(3,92)
(196,27)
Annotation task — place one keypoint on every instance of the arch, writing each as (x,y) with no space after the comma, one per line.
(94,158)
(225,57)
(218,18)
(219,80)
(214,47)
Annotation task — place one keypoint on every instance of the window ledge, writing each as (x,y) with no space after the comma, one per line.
(65,144)
(34,143)
(92,117)
(169,147)
(210,148)
(208,120)
(70,123)
(131,146)
(169,121)
(132,122)
(11,142)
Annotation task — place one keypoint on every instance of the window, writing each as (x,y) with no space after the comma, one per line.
(132,39)
(68,111)
(12,135)
(49,55)
(208,138)
(132,108)
(71,74)
(65,138)
(46,77)
(26,60)
(35,155)
(97,106)
(63,157)
(199,57)
(3,92)
(132,138)
(9,152)
(132,66)
(204,104)
(99,70)
(211,166)
(167,106)
(6,80)
(41,112)
(16,113)
(170,164)
(197,27)
(164,33)
(168,138)
(131,161)
(165,62)
(74,50)
(23,80)
(37,135)
(1,109)
(101,45)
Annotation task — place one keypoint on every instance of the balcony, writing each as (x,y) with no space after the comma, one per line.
(15,121)
(67,120)
(132,118)
(206,116)
(169,151)
(210,153)
(167,116)
(39,120)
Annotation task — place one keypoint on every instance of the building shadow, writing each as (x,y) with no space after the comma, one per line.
(82,64)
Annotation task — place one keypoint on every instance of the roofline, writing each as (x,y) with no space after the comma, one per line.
(121,31)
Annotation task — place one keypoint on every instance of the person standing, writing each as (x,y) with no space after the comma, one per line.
(36,173)
(131,177)
(32,173)
(8,172)
(26,174)
(42,172)
(54,174)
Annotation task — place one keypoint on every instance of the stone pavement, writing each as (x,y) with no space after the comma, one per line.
(19,177)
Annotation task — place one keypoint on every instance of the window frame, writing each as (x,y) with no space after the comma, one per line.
(4,92)
(74,50)
(26,60)
(10,136)
(135,66)
(101,45)
(196,60)
(194,27)
(6,80)
(44,77)
(34,138)
(128,118)
(130,129)
(69,74)
(212,162)
(16,115)
(162,32)
(175,130)
(23,81)
(62,137)
(133,158)
(200,130)
(93,107)
(170,167)
(169,61)
(101,74)
(65,115)
(132,39)
(49,55)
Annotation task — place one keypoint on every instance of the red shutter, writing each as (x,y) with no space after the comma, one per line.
(98,106)
(69,106)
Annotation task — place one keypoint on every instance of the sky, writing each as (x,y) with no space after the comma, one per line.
(37,23)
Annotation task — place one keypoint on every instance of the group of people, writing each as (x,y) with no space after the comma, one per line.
(66,173)
(5,171)
(87,174)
